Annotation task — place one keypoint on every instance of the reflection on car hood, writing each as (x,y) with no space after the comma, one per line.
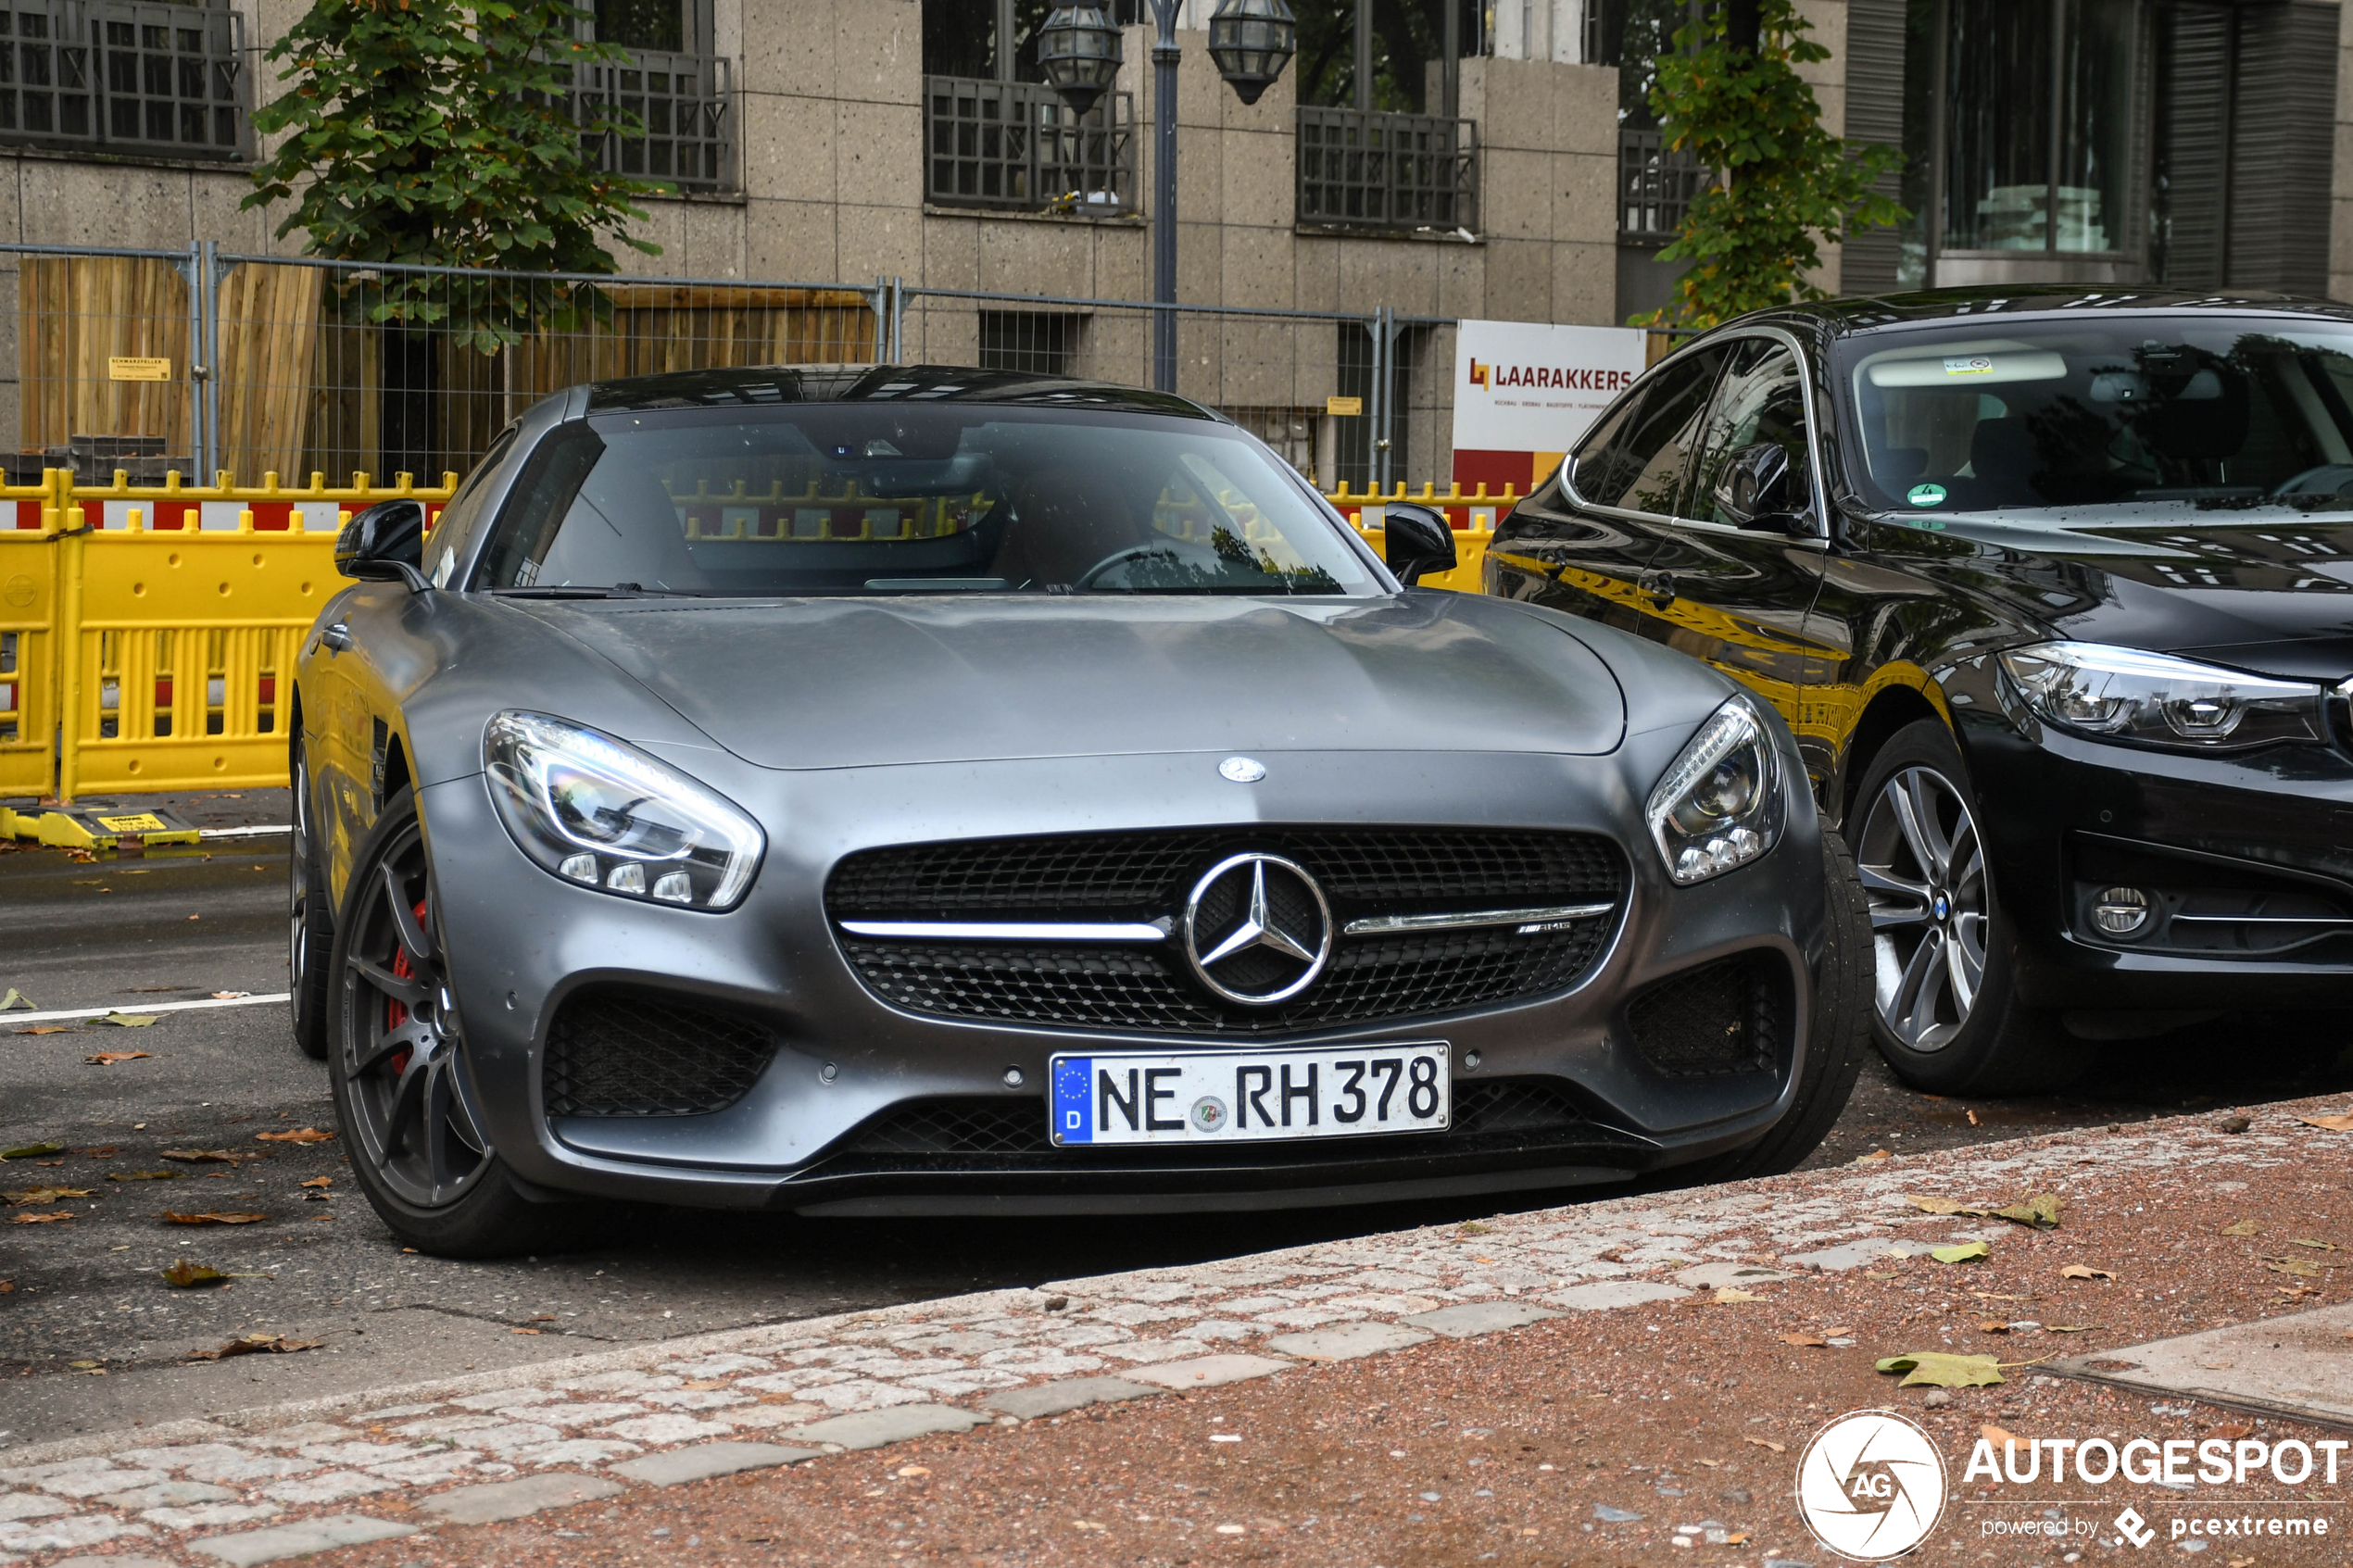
(862,681)
(2274,596)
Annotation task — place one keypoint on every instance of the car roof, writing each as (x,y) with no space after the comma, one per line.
(1868,312)
(752,386)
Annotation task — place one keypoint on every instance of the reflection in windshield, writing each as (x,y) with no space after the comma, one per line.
(2154,417)
(900,498)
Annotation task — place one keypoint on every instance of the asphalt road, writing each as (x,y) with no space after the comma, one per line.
(91,1338)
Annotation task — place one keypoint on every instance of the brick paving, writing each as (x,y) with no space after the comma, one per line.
(629,1424)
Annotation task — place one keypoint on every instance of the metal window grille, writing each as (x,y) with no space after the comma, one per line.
(1028,340)
(1368,169)
(683,101)
(1655,185)
(1016,146)
(136,75)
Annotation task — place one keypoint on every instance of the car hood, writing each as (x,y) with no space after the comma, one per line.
(863,681)
(2273,597)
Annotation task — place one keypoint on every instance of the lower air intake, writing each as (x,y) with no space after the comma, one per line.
(635,1056)
(1723,1018)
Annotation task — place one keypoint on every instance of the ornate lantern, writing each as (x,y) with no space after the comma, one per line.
(1078,51)
(1251,41)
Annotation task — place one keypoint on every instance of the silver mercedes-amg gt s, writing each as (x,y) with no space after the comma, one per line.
(929,791)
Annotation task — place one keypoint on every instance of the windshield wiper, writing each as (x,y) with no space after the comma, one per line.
(584,591)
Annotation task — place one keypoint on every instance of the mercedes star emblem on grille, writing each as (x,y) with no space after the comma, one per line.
(1250,769)
(1257,929)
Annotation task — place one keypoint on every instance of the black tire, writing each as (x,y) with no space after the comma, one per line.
(311,937)
(1836,1044)
(397,1065)
(1945,958)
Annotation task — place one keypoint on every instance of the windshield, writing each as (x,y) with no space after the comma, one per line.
(898,498)
(2145,417)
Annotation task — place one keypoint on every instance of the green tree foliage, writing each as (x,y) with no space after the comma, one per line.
(433,132)
(1779,180)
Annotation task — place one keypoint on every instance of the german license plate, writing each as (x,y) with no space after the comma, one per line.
(1250,1097)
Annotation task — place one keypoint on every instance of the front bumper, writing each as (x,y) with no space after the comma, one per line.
(522,941)
(2248,860)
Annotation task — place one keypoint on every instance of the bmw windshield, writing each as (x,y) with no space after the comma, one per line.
(2148,417)
(894,497)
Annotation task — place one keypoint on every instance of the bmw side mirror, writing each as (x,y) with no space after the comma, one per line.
(1416,541)
(385,543)
(1756,490)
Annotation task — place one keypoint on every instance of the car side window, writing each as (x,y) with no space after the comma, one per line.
(1760,401)
(1648,450)
(455,522)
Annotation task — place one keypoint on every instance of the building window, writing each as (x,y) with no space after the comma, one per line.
(1028,340)
(2041,106)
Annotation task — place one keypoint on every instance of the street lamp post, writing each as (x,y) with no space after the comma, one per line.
(1079,52)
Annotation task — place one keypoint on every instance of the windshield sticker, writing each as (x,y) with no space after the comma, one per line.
(1925,495)
(1973,364)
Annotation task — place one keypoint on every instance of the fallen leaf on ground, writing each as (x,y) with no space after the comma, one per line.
(7,1286)
(545,1317)
(696,1385)
(129,1020)
(1767,1443)
(17,1001)
(2083,1271)
(1942,1370)
(210,1156)
(1997,1436)
(229,996)
(1993,1325)
(32,1151)
(2342,1122)
(2245,1227)
(2316,1246)
(1815,1340)
(1472,1227)
(255,1344)
(1967,1252)
(107,1059)
(2231,1429)
(44,1194)
(1942,1206)
(320,1182)
(2295,1266)
(1729,1294)
(2070,1327)
(1972,1117)
(523,1331)
(297,1135)
(2040,1211)
(1871,1159)
(145,1176)
(1991,1296)
(106,1152)
(1839,1332)
(40,1219)
(237,1218)
(907,1472)
(45,1029)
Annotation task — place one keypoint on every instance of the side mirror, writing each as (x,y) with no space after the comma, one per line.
(1756,490)
(385,542)
(1415,541)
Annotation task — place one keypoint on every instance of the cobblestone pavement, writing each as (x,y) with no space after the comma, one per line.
(352,1469)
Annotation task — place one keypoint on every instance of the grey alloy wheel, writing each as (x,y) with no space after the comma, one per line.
(1923,873)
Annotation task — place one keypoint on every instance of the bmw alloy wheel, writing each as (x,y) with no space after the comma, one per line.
(405,1091)
(1923,872)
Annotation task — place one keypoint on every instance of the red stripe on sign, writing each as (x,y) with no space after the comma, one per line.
(270,516)
(27,514)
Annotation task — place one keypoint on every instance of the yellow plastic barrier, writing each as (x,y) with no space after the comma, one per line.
(171,616)
(1472,517)
(29,607)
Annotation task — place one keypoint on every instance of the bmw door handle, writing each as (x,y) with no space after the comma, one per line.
(335,638)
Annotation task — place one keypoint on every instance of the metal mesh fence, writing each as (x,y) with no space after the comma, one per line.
(198,362)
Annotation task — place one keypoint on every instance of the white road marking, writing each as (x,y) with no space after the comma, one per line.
(8,1020)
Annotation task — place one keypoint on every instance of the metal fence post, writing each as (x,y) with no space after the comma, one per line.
(212,273)
(1376,459)
(898,321)
(193,270)
(878,300)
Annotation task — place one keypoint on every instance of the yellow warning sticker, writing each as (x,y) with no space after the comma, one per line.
(1344,408)
(132,367)
(145,821)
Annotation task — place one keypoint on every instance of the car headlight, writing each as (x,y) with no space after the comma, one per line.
(1720,805)
(2158,700)
(599,811)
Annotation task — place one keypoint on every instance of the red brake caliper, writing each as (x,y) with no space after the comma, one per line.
(396,1013)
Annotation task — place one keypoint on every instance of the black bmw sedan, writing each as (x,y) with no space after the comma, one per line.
(930,791)
(2056,594)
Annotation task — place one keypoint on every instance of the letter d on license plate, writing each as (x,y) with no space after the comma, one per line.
(1248,1097)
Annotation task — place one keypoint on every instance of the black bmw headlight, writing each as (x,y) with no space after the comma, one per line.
(1718,806)
(599,811)
(2157,699)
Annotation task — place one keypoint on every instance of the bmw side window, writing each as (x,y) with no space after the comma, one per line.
(1644,469)
(1759,405)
